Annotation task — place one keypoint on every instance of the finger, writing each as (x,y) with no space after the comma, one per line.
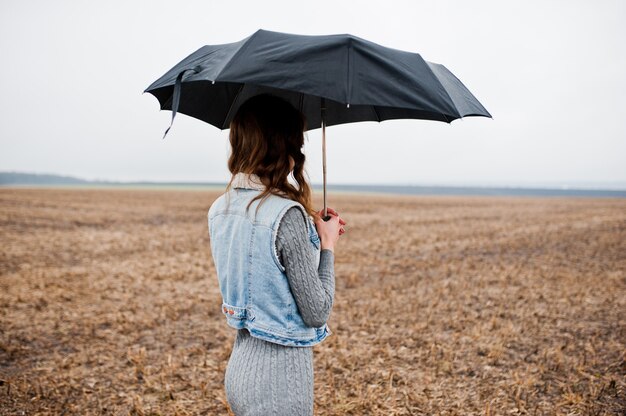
(342,222)
(330,213)
(332,220)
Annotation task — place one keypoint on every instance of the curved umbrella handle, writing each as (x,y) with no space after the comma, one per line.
(176,96)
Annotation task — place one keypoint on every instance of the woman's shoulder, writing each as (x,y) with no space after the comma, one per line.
(275,207)
(296,216)
(216,203)
(292,228)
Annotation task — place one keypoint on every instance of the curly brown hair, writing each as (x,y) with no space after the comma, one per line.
(264,133)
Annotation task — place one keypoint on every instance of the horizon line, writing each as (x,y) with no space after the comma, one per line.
(559,185)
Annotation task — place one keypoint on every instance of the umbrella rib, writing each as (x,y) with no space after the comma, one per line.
(349,71)
(232,103)
(244,45)
(301,103)
(446,91)
(376,113)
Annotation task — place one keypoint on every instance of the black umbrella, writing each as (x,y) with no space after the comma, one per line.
(332,79)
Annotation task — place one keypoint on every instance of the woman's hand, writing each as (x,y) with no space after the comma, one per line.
(329,231)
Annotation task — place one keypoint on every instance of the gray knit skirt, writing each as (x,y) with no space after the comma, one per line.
(264,378)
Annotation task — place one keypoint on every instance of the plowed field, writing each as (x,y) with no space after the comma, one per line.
(109,304)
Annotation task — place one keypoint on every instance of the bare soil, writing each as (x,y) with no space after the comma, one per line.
(109,304)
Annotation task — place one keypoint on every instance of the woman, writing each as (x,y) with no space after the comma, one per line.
(274,258)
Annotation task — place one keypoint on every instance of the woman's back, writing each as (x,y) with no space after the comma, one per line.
(275,265)
(265,378)
(255,290)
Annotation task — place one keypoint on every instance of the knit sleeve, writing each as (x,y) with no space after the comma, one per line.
(313,287)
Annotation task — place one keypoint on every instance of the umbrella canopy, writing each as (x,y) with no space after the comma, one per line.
(352,78)
(331,79)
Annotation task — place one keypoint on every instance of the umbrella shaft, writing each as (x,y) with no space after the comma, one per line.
(324,164)
(323,108)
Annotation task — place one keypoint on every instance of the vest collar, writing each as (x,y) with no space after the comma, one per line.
(247,181)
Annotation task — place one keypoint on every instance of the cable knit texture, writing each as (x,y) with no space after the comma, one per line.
(264,378)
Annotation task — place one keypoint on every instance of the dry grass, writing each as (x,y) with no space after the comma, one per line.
(445,305)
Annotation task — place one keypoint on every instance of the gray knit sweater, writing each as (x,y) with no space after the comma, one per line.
(264,378)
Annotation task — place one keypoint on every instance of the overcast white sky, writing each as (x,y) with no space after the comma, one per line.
(550,72)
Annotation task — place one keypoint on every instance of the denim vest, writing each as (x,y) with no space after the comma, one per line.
(254,287)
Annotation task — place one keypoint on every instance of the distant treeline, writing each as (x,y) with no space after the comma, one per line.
(33,179)
(18,178)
